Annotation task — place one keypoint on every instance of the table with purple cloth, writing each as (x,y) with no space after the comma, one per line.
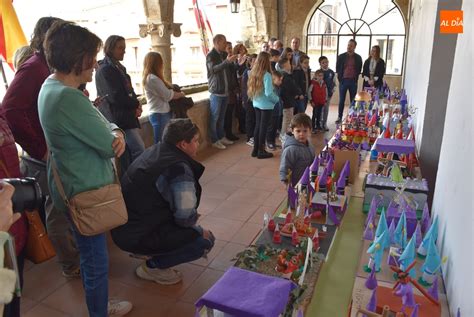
(244,293)
(395,145)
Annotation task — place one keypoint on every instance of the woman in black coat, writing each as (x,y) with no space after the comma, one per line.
(374,69)
(120,104)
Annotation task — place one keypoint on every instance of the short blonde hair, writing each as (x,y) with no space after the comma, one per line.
(21,55)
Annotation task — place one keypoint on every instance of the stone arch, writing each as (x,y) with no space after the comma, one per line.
(402,5)
(259,21)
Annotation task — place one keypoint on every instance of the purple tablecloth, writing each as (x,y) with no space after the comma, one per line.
(395,145)
(244,293)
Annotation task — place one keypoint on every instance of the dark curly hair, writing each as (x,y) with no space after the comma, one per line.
(178,130)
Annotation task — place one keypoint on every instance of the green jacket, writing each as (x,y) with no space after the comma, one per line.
(79,138)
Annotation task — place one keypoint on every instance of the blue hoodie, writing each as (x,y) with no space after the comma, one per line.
(267,98)
(296,156)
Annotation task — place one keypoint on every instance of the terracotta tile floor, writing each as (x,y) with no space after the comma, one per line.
(237,191)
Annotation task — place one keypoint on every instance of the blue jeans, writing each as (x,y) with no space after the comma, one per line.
(301,105)
(190,252)
(134,142)
(94,272)
(218,106)
(158,122)
(345,85)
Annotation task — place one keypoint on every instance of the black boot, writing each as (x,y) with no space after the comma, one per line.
(262,154)
(255,151)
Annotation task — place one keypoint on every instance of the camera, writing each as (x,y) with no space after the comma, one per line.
(27,195)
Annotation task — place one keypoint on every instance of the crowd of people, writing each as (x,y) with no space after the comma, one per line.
(73,145)
(277,84)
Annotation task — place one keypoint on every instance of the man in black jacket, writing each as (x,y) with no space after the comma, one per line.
(348,67)
(219,66)
(162,193)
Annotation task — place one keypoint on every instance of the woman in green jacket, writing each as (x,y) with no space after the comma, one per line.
(82,144)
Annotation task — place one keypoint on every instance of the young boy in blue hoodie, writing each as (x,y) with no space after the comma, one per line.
(298,152)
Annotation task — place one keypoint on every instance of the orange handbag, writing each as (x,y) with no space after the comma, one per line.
(38,248)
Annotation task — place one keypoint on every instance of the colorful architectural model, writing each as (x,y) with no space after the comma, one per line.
(416,190)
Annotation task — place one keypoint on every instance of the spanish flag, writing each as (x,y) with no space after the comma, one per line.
(11,34)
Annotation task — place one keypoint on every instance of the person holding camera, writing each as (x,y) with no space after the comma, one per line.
(9,167)
(82,144)
(7,277)
(20,111)
(162,193)
(7,217)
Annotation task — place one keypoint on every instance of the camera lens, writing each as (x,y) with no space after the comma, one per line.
(27,195)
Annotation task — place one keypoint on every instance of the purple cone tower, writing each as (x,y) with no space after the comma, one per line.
(372,305)
(405,291)
(292,197)
(371,282)
(314,169)
(415,312)
(372,209)
(425,219)
(369,232)
(323,179)
(433,290)
(418,236)
(330,165)
(391,231)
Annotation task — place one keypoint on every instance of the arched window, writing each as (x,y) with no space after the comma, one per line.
(369,22)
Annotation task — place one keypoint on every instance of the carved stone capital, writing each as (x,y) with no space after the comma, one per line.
(162,29)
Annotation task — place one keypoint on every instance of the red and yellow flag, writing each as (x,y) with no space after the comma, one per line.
(11,33)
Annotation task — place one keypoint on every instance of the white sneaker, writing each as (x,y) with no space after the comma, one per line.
(250,142)
(226,141)
(119,307)
(219,145)
(160,276)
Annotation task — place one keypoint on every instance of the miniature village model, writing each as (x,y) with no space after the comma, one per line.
(399,269)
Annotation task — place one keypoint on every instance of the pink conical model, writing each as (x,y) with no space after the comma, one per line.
(315,240)
(371,282)
(288,217)
(271,225)
(433,290)
(294,237)
(277,236)
(372,305)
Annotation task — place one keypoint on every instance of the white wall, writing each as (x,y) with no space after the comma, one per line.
(453,200)
(420,45)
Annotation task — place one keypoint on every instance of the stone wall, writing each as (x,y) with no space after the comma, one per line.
(199,114)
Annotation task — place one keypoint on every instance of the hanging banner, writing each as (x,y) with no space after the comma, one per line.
(11,33)
(201,27)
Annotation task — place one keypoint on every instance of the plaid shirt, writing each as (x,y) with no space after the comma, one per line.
(176,185)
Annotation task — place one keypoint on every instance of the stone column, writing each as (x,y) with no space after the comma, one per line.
(160,27)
